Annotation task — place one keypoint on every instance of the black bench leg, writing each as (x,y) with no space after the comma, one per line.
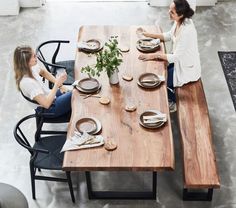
(197,196)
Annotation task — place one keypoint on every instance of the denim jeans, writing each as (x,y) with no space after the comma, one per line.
(170,83)
(60,106)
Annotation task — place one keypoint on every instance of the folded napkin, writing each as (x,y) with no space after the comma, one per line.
(149,80)
(83,44)
(155,41)
(158,117)
(75,83)
(83,141)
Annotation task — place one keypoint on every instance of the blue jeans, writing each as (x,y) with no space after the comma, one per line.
(170,83)
(60,106)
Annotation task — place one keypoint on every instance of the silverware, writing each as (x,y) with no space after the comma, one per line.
(90,95)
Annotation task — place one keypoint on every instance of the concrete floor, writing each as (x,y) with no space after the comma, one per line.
(216,28)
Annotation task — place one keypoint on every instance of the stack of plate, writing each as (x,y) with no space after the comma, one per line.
(89,125)
(152,119)
(148,80)
(148,45)
(88,85)
(90,46)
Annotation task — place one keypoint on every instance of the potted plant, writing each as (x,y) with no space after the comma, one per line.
(107,60)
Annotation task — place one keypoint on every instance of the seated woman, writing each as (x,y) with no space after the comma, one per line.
(28,74)
(184,62)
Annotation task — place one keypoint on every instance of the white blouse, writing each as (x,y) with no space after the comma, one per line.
(32,87)
(185,55)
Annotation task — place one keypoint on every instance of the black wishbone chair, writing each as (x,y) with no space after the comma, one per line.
(52,66)
(45,154)
(41,118)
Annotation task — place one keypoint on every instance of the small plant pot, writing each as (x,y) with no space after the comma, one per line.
(114,78)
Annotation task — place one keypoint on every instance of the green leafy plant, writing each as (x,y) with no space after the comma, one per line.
(107,60)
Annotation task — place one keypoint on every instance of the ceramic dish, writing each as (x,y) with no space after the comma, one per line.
(92,45)
(146,46)
(94,91)
(88,84)
(154,125)
(148,80)
(88,125)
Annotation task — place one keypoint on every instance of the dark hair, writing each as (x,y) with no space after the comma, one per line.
(182,7)
(22,55)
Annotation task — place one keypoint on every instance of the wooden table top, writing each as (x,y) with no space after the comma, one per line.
(139,149)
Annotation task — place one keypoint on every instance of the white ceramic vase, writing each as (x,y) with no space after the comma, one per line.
(114,78)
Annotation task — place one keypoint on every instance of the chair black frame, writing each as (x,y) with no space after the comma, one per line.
(44,155)
(54,66)
(41,118)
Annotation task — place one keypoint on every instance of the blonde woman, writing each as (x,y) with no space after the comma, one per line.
(184,62)
(28,74)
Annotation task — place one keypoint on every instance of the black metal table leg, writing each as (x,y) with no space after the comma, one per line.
(197,196)
(120,194)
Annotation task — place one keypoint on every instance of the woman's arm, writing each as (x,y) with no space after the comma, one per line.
(151,35)
(47,100)
(153,56)
(47,75)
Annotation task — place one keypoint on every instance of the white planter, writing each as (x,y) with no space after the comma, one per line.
(114,78)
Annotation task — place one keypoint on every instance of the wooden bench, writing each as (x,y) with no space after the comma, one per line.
(200,171)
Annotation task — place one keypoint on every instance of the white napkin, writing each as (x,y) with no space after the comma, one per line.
(161,77)
(155,41)
(155,118)
(86,45)
(83,141)
(75,83)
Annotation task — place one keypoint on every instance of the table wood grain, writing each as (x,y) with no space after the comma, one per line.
(139,149)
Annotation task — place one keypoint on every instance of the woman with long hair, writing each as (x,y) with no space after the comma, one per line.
(28,75)
(184,62)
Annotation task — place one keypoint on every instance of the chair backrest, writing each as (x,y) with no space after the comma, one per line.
(21,138)
(50,64)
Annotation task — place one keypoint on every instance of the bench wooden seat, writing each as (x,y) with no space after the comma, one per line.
(200,171)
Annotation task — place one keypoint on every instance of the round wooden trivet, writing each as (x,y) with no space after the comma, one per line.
(124,48)
(104,100)
(127,77)
(130,108)
(110,145)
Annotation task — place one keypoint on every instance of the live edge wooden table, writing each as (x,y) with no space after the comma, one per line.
(139,149)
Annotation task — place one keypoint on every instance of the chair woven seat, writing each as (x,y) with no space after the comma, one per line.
(53,160)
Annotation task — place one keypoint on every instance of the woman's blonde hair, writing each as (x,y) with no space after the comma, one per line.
(22,56)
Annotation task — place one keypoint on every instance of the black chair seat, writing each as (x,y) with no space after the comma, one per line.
(53,160)
(45,154)
(69,65)
(61,119)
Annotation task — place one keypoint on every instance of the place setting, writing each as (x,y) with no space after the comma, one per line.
(148,45)
(85,135)
(152,119)
(88,87)
(90,46)
(150,80)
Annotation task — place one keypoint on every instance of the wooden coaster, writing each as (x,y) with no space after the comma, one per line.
(110,145)
(104,100)
(127,77)
(130,108)
(124,48)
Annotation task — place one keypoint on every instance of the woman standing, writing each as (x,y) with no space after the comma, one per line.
(56,101)
(184,62)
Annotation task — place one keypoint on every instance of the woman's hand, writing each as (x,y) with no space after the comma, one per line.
(148,57)
(64,89)
(60,79)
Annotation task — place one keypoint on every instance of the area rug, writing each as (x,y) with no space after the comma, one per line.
(228,62)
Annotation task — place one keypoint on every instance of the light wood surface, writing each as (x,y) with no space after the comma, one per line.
(137,148)
(198,151)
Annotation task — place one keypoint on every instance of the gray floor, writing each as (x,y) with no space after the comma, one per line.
(216,31)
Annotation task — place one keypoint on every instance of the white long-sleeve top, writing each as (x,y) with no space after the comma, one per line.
(185,55)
